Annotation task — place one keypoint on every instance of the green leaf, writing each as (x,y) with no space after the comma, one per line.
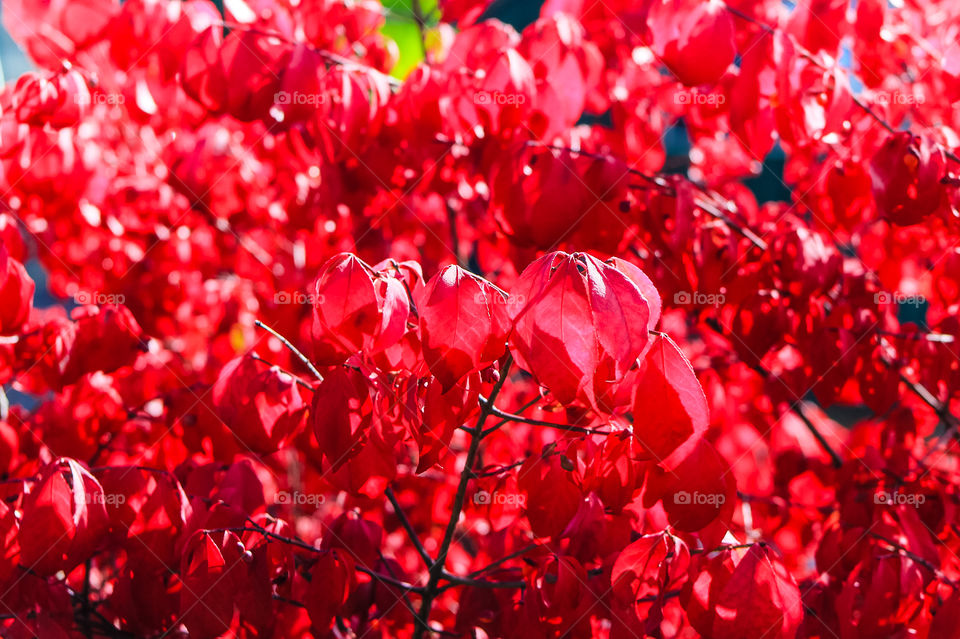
(401,27)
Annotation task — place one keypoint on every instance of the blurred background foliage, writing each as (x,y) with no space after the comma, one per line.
(402,26)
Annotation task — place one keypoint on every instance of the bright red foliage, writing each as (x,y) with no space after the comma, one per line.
(511,347)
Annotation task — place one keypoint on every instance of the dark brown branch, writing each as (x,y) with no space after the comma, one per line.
(437,570)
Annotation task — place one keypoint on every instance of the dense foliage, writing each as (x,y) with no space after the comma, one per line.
(464,353)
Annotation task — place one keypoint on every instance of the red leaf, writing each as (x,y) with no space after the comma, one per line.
(331,582)
(63,520)
(253,62)
(202,75)
(84,20)
(9,544)
(341,412)
(578,324)
(946,621)
(906,173)
(819,24)
(206,600)
(359,537)
(346,312)
(646,570)
(752,597)
(260,404)
(669,406)
(148,510)
(695,485)
(647,289)
(16,296)
(442,413)
(463,324)
(552,499)
(106,338)
(694,39)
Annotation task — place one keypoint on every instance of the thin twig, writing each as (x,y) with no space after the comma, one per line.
(796,407)
(918,559)
(284,371)
(404,594)
(751,19)
(510,417)
(716,213)
(407,526)
(503,560)
(86,609)
(293,349)
(285,600)
(665,187)
(479,583)
(501,469)
(293,541)
(520,411)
